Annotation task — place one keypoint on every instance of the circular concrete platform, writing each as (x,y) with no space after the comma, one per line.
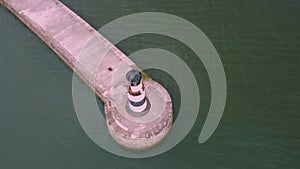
(139,132)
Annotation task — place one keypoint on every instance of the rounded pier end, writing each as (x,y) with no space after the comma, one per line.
(139,132)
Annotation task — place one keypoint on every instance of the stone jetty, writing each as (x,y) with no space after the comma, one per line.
(101,66)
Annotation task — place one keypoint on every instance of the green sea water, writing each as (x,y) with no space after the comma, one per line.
(258,43)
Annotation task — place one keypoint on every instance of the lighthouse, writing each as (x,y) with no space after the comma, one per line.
(137,101)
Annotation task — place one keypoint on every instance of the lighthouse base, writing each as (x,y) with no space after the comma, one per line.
(139,132)
(139,114)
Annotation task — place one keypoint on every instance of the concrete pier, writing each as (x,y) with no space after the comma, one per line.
(102,67)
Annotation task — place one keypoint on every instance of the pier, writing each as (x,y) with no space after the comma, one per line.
(101,66)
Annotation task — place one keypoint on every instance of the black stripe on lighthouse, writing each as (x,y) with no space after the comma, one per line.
(138,104)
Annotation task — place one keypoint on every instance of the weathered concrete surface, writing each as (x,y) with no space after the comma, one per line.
(101,65)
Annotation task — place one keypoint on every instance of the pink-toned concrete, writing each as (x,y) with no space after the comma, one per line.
(79,46)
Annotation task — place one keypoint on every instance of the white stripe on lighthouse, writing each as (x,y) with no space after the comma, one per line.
(137,98)
(137,88)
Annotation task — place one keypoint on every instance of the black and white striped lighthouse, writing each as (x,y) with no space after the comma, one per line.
(137,100)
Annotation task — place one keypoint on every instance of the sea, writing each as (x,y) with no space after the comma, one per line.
(258,43)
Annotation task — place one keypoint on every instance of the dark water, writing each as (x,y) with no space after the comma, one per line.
(258,42)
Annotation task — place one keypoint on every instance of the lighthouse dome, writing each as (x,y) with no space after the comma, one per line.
(134,76)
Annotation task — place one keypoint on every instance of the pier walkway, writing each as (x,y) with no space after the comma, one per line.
(101,65)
